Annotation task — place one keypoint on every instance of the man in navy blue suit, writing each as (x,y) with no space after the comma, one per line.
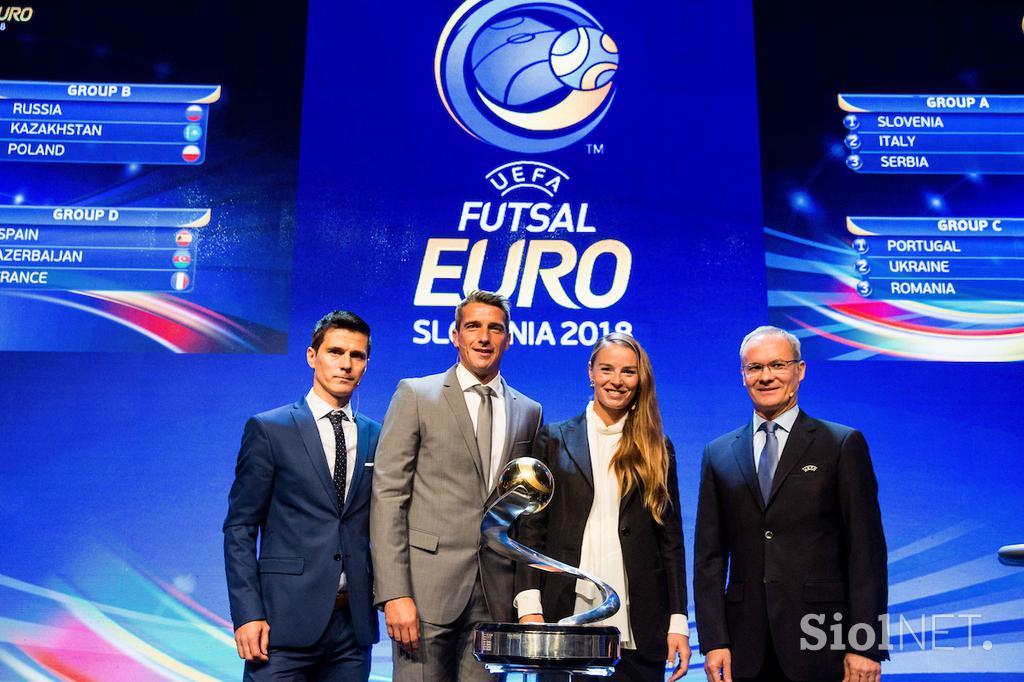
(303,610)
(790,574)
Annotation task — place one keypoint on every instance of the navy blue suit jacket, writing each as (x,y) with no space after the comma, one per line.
(284,494)
(815,548)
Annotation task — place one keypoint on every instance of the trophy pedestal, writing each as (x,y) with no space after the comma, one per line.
(541,647)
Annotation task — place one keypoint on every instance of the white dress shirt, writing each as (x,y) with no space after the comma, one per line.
(601,550)
(498,418)
(785,422)
(320,409)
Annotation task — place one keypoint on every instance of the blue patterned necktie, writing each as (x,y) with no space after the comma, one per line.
(768,460)
(340,455)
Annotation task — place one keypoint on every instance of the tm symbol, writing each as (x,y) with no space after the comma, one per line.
(595,148)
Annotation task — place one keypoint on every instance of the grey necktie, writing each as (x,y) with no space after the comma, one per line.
(484,419)
(768,460)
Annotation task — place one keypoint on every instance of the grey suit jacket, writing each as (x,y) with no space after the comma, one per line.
(428,499)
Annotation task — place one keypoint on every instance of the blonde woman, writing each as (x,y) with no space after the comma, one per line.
(615,513)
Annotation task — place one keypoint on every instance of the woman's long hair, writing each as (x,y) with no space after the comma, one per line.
(642,456)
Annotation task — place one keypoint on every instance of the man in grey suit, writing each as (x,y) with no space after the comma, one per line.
(444,441)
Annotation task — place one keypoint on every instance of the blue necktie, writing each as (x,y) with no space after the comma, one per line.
(768,460)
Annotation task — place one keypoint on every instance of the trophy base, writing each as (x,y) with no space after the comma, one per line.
(546,647)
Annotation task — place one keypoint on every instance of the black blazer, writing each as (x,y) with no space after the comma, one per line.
(653,553)
(816,547)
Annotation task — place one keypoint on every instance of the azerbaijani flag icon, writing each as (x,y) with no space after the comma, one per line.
(179,281)
(190,153)
(181,259)
(183,238)
(194,113)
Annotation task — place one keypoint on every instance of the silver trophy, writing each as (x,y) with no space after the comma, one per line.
(570,645)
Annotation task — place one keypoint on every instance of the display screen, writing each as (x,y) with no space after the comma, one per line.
(149,163)
(892,168)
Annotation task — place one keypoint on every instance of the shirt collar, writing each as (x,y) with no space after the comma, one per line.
(784,420)
(320,409)
(596,423)
(468,381)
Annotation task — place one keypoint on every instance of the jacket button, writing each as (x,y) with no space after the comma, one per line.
(625,530)
(337,557)
(768,535)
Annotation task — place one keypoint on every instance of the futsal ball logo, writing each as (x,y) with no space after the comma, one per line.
(526,76)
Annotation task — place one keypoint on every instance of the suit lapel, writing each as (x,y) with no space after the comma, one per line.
(800,438)
(306,426)
(743,451)
(628,497)
(362,452)
(577,444)
(512,417)
(457,403)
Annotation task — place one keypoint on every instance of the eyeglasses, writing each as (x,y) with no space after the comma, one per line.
(777,367)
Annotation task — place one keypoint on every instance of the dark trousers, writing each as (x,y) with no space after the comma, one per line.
(634,668)
(631,668)
(335,657)
(770,669)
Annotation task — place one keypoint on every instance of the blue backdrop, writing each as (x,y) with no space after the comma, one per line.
(115,466)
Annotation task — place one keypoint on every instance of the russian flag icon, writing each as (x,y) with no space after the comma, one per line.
(179,281)
(190,153)
(194,113)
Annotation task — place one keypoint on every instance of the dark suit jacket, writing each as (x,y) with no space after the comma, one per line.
(816,547)
(653,554)
(284,493)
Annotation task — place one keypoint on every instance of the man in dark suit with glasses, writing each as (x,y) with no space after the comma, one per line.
(788,510)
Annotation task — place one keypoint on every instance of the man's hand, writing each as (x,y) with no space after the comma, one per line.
(532,618)
(678,644)
(857,668)
(403,623)
(251,640)
(718,665)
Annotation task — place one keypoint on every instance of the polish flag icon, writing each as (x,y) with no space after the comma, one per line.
(194,113)
(183,238)
(179,281)
(190,153)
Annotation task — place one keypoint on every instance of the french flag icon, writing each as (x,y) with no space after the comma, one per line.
(179,281)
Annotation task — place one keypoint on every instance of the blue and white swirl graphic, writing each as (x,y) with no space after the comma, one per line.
(529,77)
